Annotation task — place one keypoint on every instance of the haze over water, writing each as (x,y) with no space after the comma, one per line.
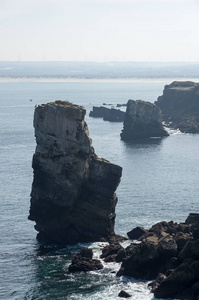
(159,182)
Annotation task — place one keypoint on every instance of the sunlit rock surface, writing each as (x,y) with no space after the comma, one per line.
(73,192)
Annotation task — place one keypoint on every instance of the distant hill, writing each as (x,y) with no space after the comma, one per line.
(99,70)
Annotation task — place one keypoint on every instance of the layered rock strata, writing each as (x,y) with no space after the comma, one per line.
(180,106)
(142,120)
(73,192)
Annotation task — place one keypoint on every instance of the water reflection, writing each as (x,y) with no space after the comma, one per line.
(144,143)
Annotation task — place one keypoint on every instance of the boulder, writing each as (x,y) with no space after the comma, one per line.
(123,294)
(109,252)
(73,192)
(181,283)
(83,261)
(108,114)
(147,259)
(142,120)
(180,106)
(162,248)
(193,218)
(136,233)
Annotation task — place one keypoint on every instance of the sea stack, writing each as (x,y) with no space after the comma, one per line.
(180,105)
(73,192)
(142,120)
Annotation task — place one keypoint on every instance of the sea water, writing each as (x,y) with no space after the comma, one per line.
(159,182)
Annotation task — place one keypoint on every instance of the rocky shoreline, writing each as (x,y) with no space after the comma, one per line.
(167,254)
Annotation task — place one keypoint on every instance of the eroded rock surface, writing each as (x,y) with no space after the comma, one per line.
(180,106)
(73,192)
(142,120)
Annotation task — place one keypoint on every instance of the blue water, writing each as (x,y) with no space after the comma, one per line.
(159,182)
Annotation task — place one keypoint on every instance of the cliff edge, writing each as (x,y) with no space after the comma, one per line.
(180,105)
(73,192)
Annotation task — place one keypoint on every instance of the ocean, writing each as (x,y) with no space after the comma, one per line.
(159,182)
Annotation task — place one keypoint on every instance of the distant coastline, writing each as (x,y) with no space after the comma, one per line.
(76,79)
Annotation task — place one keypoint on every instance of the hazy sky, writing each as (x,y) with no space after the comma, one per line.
(99,30)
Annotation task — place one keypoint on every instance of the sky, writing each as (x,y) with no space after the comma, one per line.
(99,30)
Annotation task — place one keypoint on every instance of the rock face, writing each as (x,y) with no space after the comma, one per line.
(142,120)
(111,115)
(180,105)
(73,192)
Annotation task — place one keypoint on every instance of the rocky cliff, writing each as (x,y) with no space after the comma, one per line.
(73,192)
(142,120)
(180,105)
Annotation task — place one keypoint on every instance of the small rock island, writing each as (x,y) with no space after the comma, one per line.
(180,106)
(108,114)
(73,192)
(142,120)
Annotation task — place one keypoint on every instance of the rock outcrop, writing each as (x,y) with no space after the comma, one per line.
(170,251)
(180,106)
(142,120)
(73,192)
(108,114)
(83,262)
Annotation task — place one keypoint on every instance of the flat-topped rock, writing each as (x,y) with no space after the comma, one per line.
(142,120)
(180,105)
(73,192)
(108,114)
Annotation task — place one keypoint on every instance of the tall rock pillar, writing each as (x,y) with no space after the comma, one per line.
(73,192)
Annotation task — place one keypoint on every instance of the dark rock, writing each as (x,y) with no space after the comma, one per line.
(83,261)
(181,239)
(180,282)
(190,250)
(124,294)
(193,218)
(73,192)
(136,233)
(180,249)
(163,248)
(110,252)
(143,261)
(154,284)
(99,112)
(142,120)
(111,115)
(120,105)
(167,247)
(180,105)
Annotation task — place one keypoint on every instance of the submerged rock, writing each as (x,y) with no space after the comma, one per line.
(180,106)
(123,294)
(142,120)
(111,115)
(73,192)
